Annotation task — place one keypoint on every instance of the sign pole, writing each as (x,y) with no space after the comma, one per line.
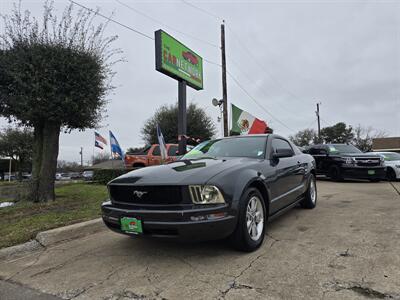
(224,88)
(182,116)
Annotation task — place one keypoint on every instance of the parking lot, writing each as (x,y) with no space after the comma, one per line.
(346,248)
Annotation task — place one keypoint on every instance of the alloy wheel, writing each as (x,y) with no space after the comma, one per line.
(255,218)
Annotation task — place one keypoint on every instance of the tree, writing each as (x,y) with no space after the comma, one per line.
(363,137)
(304,137)
(199,124)
(18,145)
(133,150)
(67,166)
(338,133)
(55,74)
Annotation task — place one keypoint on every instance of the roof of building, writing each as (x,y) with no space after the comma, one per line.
(386,144)
(109,164)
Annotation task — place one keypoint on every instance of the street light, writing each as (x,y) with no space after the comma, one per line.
(219,103)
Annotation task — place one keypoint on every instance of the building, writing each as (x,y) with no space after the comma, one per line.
(386,144)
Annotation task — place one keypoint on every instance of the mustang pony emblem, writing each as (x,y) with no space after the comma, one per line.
(139,194)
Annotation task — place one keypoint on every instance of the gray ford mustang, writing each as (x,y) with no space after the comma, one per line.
(227,187)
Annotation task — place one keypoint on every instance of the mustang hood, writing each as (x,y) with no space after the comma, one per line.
(182,172)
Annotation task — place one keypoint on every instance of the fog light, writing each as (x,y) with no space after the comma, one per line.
(198,218)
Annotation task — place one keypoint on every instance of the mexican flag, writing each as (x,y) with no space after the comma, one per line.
(245,123)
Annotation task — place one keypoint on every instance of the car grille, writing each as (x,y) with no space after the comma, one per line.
(147,195)
(368,162)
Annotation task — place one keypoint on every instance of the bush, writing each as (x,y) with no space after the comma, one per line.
(103,176)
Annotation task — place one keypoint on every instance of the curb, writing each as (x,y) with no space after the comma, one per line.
(54,236)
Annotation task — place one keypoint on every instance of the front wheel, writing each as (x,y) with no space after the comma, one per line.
(335,174)
(310,196)
(250,229)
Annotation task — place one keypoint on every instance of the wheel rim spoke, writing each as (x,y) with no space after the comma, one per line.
(255,218)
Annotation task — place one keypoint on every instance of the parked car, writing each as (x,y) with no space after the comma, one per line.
(224,187)
(64,176)
(392,163)
(339,161)
(150,156)
(87,175)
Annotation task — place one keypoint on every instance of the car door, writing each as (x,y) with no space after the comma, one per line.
(320,155)
(155,158)
(286,181)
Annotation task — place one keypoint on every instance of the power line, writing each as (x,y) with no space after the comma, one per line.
(263,90)
(203,10)
(112,20)
(166,25)
(258,103)
(260,65)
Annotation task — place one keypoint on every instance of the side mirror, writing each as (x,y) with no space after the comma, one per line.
(281,153)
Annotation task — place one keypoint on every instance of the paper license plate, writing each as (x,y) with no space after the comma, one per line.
(131,225)
(371,172)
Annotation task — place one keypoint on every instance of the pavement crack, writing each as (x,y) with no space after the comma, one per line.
(395,188)
(234,284)
(361,289)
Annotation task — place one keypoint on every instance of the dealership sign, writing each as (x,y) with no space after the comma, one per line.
(178,61)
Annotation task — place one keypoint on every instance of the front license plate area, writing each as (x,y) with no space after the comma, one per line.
(371,172)
(131,225)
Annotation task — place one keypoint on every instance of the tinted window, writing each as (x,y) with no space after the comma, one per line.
(317,151)
(156,151)
(391,156)
(172,151)
(280,144)
(342,148)
(253,147)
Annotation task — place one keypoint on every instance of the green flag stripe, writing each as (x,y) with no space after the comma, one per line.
(236,112)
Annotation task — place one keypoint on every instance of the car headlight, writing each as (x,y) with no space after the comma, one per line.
(207,194)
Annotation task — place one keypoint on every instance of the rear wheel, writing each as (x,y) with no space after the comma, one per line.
(310,196)
(334,173)
(390,174)
(250,229)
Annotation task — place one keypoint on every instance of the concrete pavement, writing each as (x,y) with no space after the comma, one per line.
(346,248)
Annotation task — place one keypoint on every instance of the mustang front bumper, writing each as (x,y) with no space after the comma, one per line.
(187,225)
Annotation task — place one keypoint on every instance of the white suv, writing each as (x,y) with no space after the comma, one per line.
(392,163)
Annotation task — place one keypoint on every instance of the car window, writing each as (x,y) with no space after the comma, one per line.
(253,147)
(172,151)
(317,151)
(280,144)
(343,148)
(391,156)
(156,151)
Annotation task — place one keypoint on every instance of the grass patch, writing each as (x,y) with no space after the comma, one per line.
(74,203)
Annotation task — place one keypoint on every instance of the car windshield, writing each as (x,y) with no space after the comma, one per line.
(253,147)
(343,148)
(391,156)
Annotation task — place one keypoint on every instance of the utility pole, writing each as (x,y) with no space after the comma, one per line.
(224,88)
(319,124)
(81,153)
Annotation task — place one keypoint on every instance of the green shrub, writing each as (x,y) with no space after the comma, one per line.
(105,175)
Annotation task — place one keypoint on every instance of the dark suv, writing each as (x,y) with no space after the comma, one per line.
(339,161)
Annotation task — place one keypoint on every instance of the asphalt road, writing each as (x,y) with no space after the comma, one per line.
(346,248)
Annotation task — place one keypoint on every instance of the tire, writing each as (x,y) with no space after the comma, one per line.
(390,174)
(335,174)
(241,237)
(310,196)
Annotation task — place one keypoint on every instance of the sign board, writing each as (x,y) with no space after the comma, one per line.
(178,61)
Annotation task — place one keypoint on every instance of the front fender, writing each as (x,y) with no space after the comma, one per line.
(233,185)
